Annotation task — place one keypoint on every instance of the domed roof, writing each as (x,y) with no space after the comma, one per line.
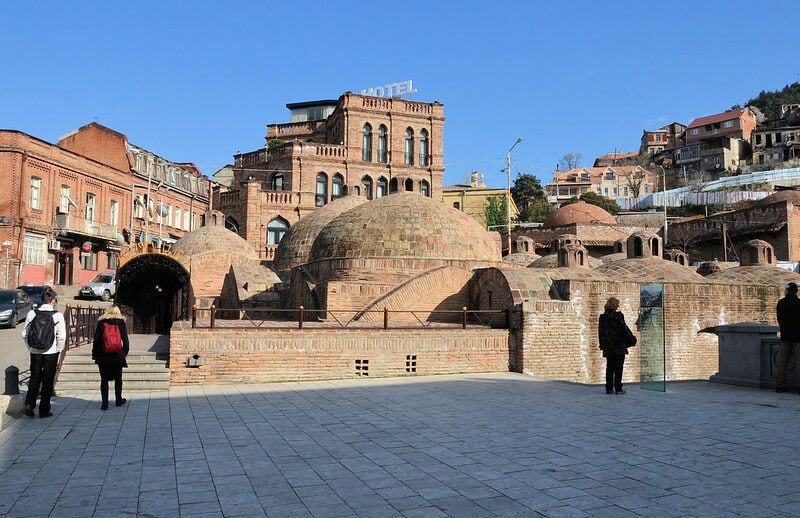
(405,226)
(213,238)
(551,261)
(781,196)
(296,244)
(754,275)
(649,269)
(579,212)
(521,258)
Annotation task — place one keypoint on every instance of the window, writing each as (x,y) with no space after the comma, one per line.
(36,193)
(456,205)
(605,191)
(758,138)
(383,187)
(90,199)
(169,215)
(89,260)
(337,186)
(367,183)
(778,136)
(423,148)
(112,260)
(114,213)
(694,131)
(186,220)
(276,230)
(34,249)
(615,191)
(366,143)
(409,147)
(727,124)
(625,191)
(382,147)
(409,185)
(63,204)
(276,184)
(322,189)
(424,188)
(178,219)
(194,221)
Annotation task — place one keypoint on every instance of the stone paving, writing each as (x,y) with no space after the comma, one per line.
(470,445)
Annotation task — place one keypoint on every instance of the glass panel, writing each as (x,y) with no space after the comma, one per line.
(653,373)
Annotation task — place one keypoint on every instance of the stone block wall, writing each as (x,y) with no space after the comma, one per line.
(274,355)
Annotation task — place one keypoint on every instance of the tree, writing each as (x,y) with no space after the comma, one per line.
(275,142)
(496,213)
(570,160)
(596,199)
(634,181)
(527,189)
(537,211)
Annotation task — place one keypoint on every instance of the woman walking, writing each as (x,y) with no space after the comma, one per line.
(615,338)
(109,349)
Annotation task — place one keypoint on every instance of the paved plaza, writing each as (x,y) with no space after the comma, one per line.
(469,445)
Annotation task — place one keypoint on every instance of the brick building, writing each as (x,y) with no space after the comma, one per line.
(361,145)
(73,206)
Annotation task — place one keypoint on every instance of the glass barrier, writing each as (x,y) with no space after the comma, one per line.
(653,372)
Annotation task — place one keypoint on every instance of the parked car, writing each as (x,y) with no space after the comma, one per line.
(35,292)
(103,287)
(14,306)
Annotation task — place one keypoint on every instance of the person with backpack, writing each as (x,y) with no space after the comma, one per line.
(615,337)
(109,350)
(45,335)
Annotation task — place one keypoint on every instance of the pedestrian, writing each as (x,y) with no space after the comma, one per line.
(45,335)
(615,337)
(109,350)
(788,310)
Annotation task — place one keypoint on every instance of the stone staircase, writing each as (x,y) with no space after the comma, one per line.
(146,372)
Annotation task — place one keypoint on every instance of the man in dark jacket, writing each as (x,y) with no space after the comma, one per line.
(789,321)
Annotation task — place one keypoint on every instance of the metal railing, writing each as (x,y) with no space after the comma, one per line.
(275,318)
(80,323)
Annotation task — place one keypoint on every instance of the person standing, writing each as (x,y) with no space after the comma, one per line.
(45,335)
(109,349)
(615,337)
(788,310)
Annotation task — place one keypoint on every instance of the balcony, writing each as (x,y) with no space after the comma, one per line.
(69,224)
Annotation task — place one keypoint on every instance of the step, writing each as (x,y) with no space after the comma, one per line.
(126,375)
(132,365)
(69,387)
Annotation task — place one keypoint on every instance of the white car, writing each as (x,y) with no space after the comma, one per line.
(103,287)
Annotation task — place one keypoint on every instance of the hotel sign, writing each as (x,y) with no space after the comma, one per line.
(391,89)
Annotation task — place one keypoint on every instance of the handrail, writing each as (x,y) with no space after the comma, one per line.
(80,323)
(279,318)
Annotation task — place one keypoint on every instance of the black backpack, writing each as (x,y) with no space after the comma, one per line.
(42,330)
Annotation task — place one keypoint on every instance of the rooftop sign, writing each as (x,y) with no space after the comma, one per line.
(391,89)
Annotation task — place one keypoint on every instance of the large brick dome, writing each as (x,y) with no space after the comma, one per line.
(409,231)
(295,246)
(211,239)
(579,212)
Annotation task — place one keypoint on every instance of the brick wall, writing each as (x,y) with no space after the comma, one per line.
(259,355)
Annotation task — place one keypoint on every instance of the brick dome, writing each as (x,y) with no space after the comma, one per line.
(758,275)
(295,246)
(551,261)
(781,196)
(649,269)
(579,212)
(213,238)
(406,229)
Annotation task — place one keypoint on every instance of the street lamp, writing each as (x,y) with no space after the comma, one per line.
(664,191)
(508,192)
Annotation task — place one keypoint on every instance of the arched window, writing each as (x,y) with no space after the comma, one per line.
(581,259)
(322,189)
(637,247)
(423,148)
(425,188)
(276,183)
(768,253)
(357,190)
(654,247)
(367,183)
(393,185)
(409,147)
(366,143)
(754,255)
(409,185)
(231,224)
(383,187)
(337,187)
(382,144)
(276,229)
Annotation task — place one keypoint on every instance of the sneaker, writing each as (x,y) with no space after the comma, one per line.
(620,392)
(29,411)
(609,391)
(104,405)
(122,402)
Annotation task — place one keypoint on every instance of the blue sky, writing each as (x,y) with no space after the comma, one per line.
(198,81)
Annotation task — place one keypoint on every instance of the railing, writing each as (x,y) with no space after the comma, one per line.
(85,227)
(274,318)
(80,323)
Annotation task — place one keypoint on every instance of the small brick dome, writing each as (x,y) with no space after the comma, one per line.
(780,197)
(408,227)
(649,269)
(213,238)
(579,212)
(295,246)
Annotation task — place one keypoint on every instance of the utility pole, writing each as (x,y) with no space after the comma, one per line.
(508,192)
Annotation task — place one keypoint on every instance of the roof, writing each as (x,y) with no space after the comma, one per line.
(755,275)
(310,104)
(618,155)
(719,117)
(596,172)
(579,212)
(649,269)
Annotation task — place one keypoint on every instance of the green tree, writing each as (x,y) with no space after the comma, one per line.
(275,142)
(495,212)
(634,182)
(770,102)
(527,189)
(537,212)
(596,199)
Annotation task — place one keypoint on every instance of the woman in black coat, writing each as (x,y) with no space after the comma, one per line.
(109,354)
(615,338)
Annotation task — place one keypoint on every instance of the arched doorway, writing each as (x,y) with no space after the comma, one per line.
(153,291)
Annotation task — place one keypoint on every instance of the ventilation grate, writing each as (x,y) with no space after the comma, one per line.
(411,363)
(362,367)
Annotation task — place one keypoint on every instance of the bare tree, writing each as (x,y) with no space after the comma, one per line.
(570,160)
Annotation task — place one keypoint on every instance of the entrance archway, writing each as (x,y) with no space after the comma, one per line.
(153,290)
